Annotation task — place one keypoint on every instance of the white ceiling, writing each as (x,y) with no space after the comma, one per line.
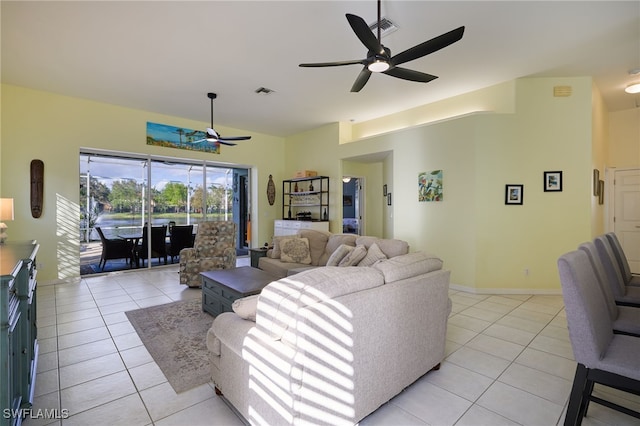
(165,56)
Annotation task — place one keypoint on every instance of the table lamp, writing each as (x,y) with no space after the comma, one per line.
(6,213)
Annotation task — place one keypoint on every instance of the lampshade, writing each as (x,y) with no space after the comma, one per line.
(6,209)
(346,179)
(633,88)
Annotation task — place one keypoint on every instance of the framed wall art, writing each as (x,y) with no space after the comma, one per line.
(179,137)
(600,192)
(388,198)
(553,181)
(514,194)
(596,180)
(384,190)
(430,186)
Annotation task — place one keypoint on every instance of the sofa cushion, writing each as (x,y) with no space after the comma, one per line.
(340,253)
(408,265)
(280,301)
(335,241)
(391,248)
(246,307)
(354,257)
(277,241)
(373,255)
(295,250)
(317,243)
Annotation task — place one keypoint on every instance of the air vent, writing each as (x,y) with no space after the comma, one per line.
(386,27)
(561,91)
(263,91)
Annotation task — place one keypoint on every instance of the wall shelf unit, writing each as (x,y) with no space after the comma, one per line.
(306,199)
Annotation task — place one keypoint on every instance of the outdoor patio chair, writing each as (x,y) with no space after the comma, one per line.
(158,244)
(114,248)
(603,357)
(181,237)
(214,248)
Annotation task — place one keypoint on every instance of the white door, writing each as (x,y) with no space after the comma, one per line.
(627,214)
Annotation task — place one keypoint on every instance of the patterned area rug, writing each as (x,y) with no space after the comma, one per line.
(175,335)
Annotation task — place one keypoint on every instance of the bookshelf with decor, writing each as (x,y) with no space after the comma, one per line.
(305,201)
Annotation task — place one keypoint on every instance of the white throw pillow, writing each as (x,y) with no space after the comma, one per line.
(295,250)
(354,257)
(246,307)
(339,254)
(374,254)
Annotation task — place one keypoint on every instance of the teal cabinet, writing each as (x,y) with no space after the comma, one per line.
(18,330)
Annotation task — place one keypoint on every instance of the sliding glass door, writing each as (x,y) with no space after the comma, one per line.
(122,194)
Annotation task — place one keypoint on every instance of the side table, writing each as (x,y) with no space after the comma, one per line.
(256,254)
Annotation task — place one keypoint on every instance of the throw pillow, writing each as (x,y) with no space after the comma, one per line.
(246,307)
(354,257)
(339,254)
(295,250)
(276,252)
(373,255)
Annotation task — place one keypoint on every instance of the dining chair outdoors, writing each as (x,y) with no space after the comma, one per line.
(158,244)
(113,248)
(181,237)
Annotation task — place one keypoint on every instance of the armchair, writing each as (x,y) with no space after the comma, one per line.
(214,248)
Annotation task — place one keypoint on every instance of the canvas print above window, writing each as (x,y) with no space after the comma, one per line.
(181,138)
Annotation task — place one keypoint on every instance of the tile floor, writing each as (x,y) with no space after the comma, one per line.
(509,362)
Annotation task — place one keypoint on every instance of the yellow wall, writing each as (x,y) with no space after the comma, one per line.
(487,244)
(39,125)
(624,139)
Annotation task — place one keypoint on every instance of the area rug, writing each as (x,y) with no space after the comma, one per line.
(175,335)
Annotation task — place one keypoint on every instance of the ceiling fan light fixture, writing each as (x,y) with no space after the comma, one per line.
(379,65)
(633,88)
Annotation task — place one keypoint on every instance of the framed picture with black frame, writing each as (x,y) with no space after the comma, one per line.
(514,194)
(553,181)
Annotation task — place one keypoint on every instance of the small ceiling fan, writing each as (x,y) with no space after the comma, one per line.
(379,57)
(213,136)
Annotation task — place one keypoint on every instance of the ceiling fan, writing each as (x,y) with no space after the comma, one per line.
(379,57)
(213,136)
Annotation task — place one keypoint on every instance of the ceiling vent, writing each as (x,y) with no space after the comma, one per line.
(263,91)
(561,91)
(386,27)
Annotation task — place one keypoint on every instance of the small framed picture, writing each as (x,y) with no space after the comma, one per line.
(596,180)
(600,192)
(384,190)
(552,181)
(389,199)
(514,194)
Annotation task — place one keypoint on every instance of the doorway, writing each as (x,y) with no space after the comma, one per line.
(352,205)
(626,214)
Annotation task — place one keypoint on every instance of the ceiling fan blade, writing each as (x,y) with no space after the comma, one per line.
(428,46)
(363,32)
(234,138)
(199,140)
(334,64)
(411,75)
(224,142)
(361,80)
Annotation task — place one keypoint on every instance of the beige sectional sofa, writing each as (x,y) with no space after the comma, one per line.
(331,344)
(321,246)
